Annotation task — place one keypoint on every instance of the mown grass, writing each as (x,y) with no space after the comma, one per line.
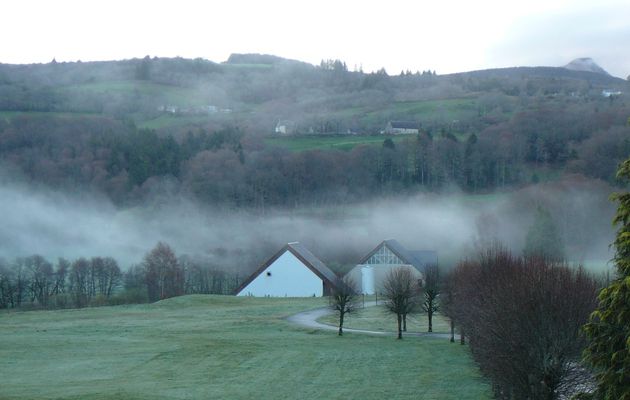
(341,142)
(377,318)
(219,347)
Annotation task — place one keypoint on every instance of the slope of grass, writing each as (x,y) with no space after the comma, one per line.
(219,347)
(341,142)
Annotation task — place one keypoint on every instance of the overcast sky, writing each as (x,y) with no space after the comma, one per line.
(442,35)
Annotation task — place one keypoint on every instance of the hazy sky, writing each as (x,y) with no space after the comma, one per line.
(442,35)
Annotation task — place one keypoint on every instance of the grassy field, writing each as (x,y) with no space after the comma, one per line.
(171,121)
(342,142)
(378,319)
(219,347)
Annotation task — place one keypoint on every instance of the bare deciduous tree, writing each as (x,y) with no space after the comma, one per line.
(344,299)
(430,292)
(401,294)
(79,282)
(164,276)
(523,318)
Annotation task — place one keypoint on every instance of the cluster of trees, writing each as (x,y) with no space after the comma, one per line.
(34,282)
(162,275)
(404,295)
(540,329)
(523,317)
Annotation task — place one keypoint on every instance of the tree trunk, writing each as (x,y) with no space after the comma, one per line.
(404,322)
(462,338)
(341,323)
(399,326)
(452,331)
(430,314)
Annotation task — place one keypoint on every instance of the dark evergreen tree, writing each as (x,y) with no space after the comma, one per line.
(543,239)
(609,326)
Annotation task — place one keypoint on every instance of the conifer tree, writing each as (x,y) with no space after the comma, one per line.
(543,239)
(609,326)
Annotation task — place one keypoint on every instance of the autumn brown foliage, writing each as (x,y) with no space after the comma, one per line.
(523,317)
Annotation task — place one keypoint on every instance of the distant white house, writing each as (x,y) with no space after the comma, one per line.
(285,127)
(371,272)
(292,272)
(610,93)
(402,128)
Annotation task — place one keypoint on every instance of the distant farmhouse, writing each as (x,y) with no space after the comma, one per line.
(285,127)
(611,93)
(371,272)
(402,128)
(292,272)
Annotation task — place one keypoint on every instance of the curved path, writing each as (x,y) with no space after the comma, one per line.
(308,319)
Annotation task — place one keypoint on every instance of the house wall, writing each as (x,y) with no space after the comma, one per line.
(378,274)
(404,131)
(289,278)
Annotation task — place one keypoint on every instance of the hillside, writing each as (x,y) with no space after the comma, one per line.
(256,91)
(130,129)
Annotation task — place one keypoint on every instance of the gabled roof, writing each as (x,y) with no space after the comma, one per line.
(418,258)
(306,257)
(404,124)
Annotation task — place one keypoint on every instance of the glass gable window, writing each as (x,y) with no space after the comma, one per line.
(384,256)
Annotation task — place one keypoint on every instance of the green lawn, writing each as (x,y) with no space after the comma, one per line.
(377,318)
(219,347)
(341,142)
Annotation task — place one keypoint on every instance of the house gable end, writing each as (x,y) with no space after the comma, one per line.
(305,257)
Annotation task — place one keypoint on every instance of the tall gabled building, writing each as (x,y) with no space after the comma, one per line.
(292,272)
(371,272)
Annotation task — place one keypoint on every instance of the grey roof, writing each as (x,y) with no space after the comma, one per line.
(306,257)
(418,258)
(404,124)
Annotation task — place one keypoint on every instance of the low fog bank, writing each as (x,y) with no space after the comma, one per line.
(38,221)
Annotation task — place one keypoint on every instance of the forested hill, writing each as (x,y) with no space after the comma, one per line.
(133,127)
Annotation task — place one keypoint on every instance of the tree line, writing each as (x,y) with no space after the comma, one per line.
(34,282)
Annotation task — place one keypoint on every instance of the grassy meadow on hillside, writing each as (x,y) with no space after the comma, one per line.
(219,347)
(316,142)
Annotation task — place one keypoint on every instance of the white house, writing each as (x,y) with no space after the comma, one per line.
(402,128)
(292,272)
(611,93)
(285,127)
(371,272)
